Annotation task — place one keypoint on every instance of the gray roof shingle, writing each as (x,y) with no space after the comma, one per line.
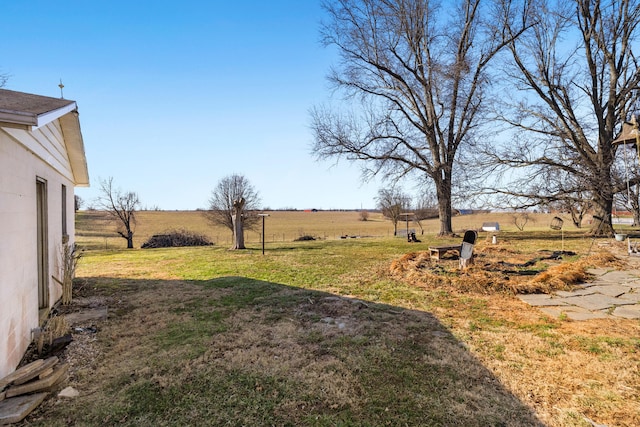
(25,108)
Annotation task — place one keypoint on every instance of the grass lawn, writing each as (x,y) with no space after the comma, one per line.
(323,333)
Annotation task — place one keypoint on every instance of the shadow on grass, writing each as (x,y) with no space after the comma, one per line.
(238,351)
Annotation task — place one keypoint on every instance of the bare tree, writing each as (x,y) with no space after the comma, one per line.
(231,204)
(563,192)
(426,204)
(392,202)
(578,207)
(572,79)
(121,206)
(632,201)
(420,73)
(78,202)
(521,219)
(626,170)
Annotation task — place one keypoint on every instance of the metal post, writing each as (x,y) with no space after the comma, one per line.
(406,215)
(263,216)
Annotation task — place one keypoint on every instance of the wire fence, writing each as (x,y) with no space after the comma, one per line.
(255,238)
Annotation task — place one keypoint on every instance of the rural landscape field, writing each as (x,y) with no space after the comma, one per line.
(95,229)
(344,330)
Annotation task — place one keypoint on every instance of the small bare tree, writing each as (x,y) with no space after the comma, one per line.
(122,207)
(626,172)
(3,79)
(77,202)
(577,207)
(521,219)
(230,205)
(364,215)
(392,202)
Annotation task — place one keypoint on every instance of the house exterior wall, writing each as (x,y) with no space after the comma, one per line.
(26,156)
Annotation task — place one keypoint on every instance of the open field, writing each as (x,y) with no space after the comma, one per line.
(95,231)
(322,333)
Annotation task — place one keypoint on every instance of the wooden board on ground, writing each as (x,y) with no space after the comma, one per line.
(86,316)
(39,384)
(20,372)
(48,364)
(436,252)
(15,409)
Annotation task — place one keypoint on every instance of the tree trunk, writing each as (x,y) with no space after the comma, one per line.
(238,232)
(634,203)
(238,226)
(443,192)
(128,237)
(636,215)
(602,225)
(576,217)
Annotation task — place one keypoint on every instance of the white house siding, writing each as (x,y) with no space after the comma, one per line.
(24,157)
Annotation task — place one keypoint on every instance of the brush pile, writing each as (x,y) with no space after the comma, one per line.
(176,238)
(500,270)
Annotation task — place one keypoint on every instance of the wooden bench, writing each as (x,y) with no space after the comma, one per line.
(436,252)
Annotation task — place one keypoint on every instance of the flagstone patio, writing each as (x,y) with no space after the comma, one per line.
(612,294)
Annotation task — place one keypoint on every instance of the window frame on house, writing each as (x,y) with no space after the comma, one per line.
(42,236)
(63,196)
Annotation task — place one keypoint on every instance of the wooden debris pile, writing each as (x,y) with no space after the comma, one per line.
(23,390)
(176,238)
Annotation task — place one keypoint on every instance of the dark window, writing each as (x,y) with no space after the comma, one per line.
(64,210)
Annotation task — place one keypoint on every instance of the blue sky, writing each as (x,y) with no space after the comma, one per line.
(173,96)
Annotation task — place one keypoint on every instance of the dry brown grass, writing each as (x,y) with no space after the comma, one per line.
(564,276)
(571,372)
(55,327)
(499,269)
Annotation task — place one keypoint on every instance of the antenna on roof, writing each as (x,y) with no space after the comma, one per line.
(61,86)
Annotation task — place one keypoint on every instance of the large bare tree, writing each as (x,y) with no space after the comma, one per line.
(419,72)
(122,207)
(231,204)
(572,80)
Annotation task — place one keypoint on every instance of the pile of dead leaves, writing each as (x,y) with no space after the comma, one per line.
(501,270)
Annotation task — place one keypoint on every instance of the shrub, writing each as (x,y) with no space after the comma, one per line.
(70,257)
(176,238)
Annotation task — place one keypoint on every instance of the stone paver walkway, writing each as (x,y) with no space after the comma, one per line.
(613,294)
